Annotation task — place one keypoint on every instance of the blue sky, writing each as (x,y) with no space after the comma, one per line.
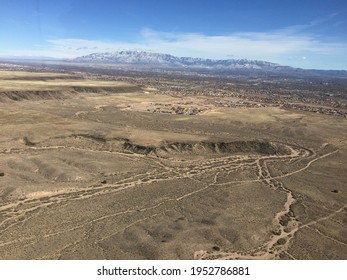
(305,33)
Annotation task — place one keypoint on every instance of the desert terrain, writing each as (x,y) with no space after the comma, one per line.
(93,167)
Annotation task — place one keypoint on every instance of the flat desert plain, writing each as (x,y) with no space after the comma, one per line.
(91,169)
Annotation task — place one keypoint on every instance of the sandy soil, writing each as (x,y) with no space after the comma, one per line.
(84,176)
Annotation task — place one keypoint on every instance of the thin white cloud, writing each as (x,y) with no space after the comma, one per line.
(295,29)
(278,46)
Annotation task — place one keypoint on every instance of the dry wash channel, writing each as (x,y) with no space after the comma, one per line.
(156,210)
(82,177)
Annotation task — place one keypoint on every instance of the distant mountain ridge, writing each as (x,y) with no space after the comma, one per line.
(219,66)
(149,58)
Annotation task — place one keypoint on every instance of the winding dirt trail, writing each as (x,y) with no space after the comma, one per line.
(15,213)
(284,220)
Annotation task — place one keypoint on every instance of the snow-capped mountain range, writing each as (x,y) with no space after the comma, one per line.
(148,58)
(219,66)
